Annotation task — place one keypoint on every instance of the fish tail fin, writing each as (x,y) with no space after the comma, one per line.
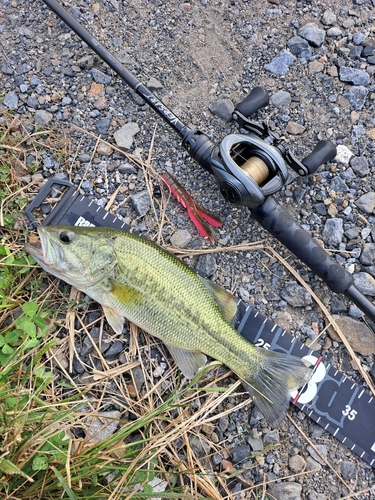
(270,386)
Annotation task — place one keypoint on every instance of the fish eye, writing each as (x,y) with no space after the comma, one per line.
(65,238)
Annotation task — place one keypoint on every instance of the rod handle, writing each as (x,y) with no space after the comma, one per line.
(275,219)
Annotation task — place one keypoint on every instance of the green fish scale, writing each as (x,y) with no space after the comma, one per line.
(176,306)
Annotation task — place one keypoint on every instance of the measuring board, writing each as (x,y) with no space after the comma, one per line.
(341,407)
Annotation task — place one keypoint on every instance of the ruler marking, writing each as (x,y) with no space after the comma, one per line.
(91,202)
(336,431)
(370,399)
(104,218)
(352,448)
(326,426)
(361,393)
(343,441)
(273,328)
(352,387)
(98,209)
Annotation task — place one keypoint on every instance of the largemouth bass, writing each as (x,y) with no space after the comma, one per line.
(136,279)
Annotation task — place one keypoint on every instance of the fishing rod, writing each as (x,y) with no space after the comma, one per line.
(249,168)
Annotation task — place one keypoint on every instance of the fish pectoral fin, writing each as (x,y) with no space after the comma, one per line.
(224,299)
(125,294)
(189,362)
(114,318)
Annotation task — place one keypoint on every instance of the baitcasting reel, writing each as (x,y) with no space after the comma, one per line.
(250,167)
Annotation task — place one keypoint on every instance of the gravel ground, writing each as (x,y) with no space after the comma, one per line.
(317,61)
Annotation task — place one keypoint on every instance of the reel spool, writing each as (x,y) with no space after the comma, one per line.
(248,169)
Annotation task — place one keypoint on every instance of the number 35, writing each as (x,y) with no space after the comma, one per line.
(348,412)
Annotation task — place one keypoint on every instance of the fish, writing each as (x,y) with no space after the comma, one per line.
(133,278)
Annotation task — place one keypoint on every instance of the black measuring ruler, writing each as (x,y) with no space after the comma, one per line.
(343,408)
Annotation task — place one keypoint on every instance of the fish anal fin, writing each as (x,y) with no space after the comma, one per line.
(224,299)
(114,318)
(189,362)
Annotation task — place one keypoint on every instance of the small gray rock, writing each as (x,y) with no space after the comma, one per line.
(240,453)
(333,232)
(296,295)
(206,265)
(102,425)
(86,62)
(356,96)
(322,449)
(353,75)
(348,470)
(154,84)
(222,108)
(114,351)
(299,47)
(125,135)
(102,126)
(100,77)
(42,117)
(11,100)
(7,69)
(141,202)
(367,256)
(334,31)
(357,333)
(285,491)
(181,238)
(297,463)
(281,99)
(254,440)
(313,495)
(360,166)
(271,437)
(365,283)
(329,18)
(366,202)
(312,34)
(280,65)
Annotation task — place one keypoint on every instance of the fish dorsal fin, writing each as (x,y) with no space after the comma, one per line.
(189,362)
(114,318)
(224,299)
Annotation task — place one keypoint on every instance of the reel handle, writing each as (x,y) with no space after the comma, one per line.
(257,99)
(324,151)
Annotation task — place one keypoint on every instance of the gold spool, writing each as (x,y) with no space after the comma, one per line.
(257,169)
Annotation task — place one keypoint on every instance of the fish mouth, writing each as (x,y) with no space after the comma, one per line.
(35,249)
(44,250)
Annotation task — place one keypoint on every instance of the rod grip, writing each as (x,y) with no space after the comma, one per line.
(275,219)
